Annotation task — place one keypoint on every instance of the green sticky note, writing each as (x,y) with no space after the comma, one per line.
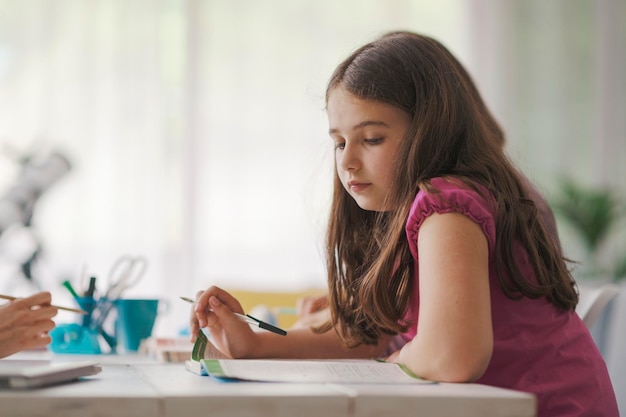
(213,367)
(199,347)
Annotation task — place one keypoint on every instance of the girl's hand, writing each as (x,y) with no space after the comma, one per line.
(25,323)
(214,310)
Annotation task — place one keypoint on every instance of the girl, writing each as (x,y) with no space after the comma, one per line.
(433,238)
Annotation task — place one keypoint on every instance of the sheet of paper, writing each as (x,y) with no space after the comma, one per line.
(329,371)
(207,359)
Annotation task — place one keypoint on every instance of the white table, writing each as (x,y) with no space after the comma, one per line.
(136,386)
(116,391)
(458,400)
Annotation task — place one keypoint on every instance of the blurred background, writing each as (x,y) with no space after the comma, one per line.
(193,132)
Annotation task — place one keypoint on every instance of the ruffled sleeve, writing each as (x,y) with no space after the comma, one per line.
(454,196)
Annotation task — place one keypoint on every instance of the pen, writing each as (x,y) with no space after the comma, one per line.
(73,310)
(69,287)
(92,287)
(81,303)
(250,320)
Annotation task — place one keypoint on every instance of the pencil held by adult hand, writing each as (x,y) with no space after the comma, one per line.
(73,310)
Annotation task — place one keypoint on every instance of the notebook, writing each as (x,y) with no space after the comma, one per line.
(207,360)
(35,373)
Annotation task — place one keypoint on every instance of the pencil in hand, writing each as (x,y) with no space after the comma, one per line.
(250,320)
(73,310)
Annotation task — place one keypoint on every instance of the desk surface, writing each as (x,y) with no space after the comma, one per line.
(135,386)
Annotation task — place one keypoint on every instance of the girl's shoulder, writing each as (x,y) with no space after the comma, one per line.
(452,195)
(448,193)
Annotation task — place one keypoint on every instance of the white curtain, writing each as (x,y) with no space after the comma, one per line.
(196,132)
(554,73)
(102,83)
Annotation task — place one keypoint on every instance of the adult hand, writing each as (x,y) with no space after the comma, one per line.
(25,323)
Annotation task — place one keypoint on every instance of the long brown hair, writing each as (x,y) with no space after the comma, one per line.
(452,134)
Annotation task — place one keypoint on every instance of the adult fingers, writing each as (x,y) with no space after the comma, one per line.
(26,316)
(41,313)
(22,337)
(43,298)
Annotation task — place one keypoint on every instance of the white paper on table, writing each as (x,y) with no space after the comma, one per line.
(329,371)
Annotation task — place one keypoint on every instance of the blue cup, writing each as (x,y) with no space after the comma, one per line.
(135,320)
(88,304)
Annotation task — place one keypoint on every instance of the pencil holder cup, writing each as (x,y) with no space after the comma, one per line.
(87,304)
(74,338)
(135,320)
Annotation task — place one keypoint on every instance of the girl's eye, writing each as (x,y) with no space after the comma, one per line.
(373,141)
(340,145)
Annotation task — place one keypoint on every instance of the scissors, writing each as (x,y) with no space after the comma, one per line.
(126,272)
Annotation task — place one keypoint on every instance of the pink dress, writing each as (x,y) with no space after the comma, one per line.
(537,348)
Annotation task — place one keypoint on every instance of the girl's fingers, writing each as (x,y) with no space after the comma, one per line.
(194,326)
(221,312)
(202,302)
(194,329)
(202,316)
(203,309)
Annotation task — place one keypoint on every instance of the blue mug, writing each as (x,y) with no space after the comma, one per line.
(135,321)
(87,304)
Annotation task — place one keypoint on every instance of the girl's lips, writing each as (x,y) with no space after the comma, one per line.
(358,186)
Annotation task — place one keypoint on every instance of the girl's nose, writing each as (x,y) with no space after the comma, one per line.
(349,159)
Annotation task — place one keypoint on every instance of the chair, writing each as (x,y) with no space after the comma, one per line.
(593,300)
(279,303)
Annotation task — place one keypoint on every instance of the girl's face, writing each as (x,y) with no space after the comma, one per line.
(367,135)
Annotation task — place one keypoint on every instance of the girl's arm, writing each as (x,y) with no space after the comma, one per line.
(214,310)
(454,341)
